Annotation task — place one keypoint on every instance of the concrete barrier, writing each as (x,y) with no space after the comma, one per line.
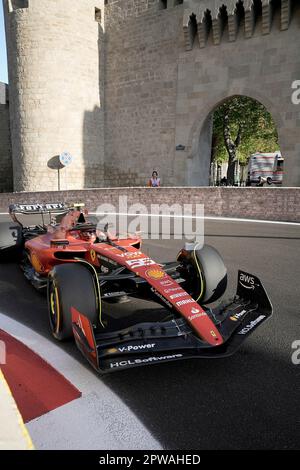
(280,204)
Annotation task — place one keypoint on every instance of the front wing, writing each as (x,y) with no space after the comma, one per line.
(156,342)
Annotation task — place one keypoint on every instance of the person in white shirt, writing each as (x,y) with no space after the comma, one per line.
(154,181)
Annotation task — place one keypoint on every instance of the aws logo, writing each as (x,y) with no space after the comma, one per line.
(247,281)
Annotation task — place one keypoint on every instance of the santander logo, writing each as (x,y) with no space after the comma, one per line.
(196,313)
(195,310)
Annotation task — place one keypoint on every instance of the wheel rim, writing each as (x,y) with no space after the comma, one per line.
(54,308)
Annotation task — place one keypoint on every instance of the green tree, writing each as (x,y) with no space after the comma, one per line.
(242,126)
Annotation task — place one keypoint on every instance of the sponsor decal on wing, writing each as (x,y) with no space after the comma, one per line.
(161,297)
(173,289)
(238,315)
(247,281)
(251,325)
(156,274)
(180,303)
(146,360)
(197,315)
(130,254)
(137,347)
(166,283)
(139,262)
(180,294)
(195,310)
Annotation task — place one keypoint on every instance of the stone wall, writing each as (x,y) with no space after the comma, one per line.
(281,204)
(142,45)
(6,183)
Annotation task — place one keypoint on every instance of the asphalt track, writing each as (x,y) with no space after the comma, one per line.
(250,400)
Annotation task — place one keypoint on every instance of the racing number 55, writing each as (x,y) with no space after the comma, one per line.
(138,263)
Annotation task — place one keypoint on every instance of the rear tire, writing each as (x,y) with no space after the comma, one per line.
(70,285)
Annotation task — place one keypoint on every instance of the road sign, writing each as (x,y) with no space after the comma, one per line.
(65,158)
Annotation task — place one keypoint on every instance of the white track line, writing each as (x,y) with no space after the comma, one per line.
(97,420)
(221,219)
(172,216)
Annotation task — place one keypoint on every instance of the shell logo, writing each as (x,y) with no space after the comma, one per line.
(155,273)
(93,255)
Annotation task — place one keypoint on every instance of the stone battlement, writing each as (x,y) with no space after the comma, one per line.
(204,17)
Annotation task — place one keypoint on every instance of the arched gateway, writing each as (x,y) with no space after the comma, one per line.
(201,138)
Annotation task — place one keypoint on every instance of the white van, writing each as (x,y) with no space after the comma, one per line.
(265,168)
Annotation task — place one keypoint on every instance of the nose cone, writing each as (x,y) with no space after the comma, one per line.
(207,330)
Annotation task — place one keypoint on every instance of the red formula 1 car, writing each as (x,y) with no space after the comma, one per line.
(86,272)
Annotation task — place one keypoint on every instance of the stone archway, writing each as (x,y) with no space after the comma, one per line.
(198,163)
(199,146)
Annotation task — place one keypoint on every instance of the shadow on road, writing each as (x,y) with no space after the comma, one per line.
(243,402)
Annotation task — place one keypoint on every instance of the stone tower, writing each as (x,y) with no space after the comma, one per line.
(56,96)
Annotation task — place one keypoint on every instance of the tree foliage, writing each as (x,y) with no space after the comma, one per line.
(242,126)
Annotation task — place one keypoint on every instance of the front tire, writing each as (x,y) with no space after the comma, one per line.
(70,285)
(205,273)
(214,273)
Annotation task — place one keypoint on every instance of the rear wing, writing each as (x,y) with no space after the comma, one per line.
(57,208)
(37,209)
